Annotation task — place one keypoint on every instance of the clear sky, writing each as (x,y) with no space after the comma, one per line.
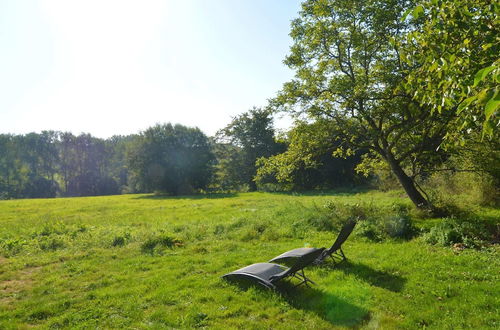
(117,67)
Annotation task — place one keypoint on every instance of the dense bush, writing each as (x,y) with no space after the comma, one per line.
(373,223)
(461,189)
(471,232)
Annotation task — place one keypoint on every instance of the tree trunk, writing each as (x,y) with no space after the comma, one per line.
(408,184)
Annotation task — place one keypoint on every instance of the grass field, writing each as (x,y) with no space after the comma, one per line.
(142,261)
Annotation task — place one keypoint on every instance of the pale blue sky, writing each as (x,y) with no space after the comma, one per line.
(116,67)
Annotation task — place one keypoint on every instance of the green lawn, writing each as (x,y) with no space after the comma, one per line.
(150,262)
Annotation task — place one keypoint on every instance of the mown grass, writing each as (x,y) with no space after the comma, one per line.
(146,261)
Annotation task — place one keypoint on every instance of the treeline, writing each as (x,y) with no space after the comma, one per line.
(53,164)
(165,158)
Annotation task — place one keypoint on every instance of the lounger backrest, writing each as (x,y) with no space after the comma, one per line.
(300,263)
(343,235)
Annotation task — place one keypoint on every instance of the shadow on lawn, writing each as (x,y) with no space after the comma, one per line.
(372,276)
(200,196)
(327,306)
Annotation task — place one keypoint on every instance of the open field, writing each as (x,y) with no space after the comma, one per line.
(142,261)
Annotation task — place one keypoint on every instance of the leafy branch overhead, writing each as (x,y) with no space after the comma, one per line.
(454,61)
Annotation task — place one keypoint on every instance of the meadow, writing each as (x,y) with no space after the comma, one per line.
(145,261)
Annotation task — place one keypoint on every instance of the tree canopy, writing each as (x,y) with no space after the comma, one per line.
(452,55)
(348,70)
(247,138)
(171,158)
(308,162)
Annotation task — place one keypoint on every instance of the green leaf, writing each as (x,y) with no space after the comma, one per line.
(465,103)
(487,128)
(481,74)
(417,11)
(492,105)
(406,13)
(486,46)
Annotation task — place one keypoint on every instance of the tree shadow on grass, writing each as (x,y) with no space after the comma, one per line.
(372,276)
(200,196)
(327,306)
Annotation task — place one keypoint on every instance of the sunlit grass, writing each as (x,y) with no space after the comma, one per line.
(146,261)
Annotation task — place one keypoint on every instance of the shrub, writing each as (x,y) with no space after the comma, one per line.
(399,226)
(369,230)
(374,223)
(472,232)
(465,188)
(11,247)
(321,222)
(50,243)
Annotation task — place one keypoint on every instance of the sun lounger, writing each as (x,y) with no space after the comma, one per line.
(335,251)
(268,274)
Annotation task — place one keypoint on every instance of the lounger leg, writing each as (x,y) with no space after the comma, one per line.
(303,278)
(343,255)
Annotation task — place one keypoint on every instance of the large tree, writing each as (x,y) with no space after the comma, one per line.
(84,165)
(348,71)
(9,167)
(39,154)
(171,158)
(247,138)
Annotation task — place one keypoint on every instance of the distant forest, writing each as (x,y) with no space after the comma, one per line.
(165,158)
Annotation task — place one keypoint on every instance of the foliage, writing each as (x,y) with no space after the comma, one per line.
(376,223)
(55,163)
(84,161)
(470,231)
(247,138)
(453,56)
(308,162)
(27,165)
(348,71)
(448,188)
(471,171)
(175,159)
